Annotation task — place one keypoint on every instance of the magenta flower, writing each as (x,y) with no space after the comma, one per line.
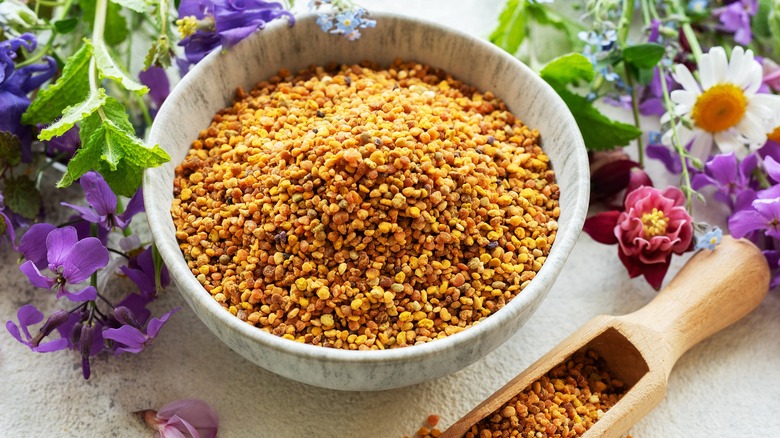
(189,418)
(71,261)
(131,338)
(730,177)
(28,315)
(33,243)
(735,18)
(763,215)
(159,86)
(103,202)
(653,226)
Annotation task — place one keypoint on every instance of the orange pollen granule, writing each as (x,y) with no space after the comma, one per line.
(719,108)
(654,223)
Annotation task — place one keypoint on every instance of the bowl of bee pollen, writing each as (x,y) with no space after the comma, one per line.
(369,214)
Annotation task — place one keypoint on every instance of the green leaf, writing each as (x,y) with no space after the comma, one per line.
(511,29)
(110,147)
(135,5)
(116,24)
(72,87)
(10,149)
(109,69)
(66,26)
(644,55)
(548,17)
(74,114)
(159,54)
(568,69)
(773,21)
(22,197)
(598,131)
(759,23)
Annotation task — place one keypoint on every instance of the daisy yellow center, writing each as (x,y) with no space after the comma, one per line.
(654,223)
(774,135)
(719,108)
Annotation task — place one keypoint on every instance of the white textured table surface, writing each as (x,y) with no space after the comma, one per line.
(729,385)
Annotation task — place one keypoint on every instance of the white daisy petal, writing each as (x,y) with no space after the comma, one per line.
(767,103)
(702,144)
(706,72)
(730,141)
(684,77)
(684,97)
(752,128)
(752,77)
(719,64)
(736,65)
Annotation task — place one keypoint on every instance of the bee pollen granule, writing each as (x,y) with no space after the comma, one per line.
(363,208)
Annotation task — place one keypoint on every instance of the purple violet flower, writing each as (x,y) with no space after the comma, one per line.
(730,177)
(159,86)
(15,84)
(71,261)
(764,215)
(134,340)
(735,18)
(33,244)
(183,419)
(28,315)
(65,145)
(102,203)
(140,270)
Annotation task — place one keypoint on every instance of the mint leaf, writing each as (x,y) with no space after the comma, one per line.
(159,54)
(598,131)
(759,23)
(644,56)
(109,69)
(22,197)
(548,17)
(511,29)
(568,69)
(110,147)
(116,24)
(66,26)
(70,88)
(10,149)
(135,5)
(74,114)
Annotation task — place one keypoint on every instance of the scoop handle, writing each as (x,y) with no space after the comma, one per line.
(712,291)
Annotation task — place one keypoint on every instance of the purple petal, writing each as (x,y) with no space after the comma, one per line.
(27,316)
(98,194)
(159,86)
(87,256)
(60,243)
(89,293)
(132,338)
(14,331)
(662,153)
(34,275)
(134,206)
(55,345)
(33,244)
(744,222)
(723,168)
(156,324)
(144,281)
(196,413)
(195,8)
(772,168)
(86,213)
(9,230)
(171,431)
(137,304)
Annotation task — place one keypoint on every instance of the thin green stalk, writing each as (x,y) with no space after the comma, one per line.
(624,24)
(635,112)
(63,12)
(685,177)
(690,35)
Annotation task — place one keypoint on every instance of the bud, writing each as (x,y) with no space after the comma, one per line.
(55,320)
(85,346)
(125,316)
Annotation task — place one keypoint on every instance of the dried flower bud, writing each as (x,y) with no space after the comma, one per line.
(125,316)
(55,320)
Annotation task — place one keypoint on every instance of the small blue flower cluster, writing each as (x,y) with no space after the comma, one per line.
(341,18)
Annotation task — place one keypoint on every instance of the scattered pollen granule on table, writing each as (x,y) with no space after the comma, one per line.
(360,208)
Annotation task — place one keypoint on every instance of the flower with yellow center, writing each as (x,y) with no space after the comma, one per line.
(725,108)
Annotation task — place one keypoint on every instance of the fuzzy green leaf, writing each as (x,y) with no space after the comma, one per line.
(116,24)
(72,87)
(74,114)
(109,69)
(110,147)
(644,56)
(135,5)
(568,69)
(66,26)
(160,53)
(10,149)
(598,131)
(22,197)
(511,29)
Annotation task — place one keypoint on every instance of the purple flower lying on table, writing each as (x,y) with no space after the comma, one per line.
(71,261)
(16,84)
(189,418)
(28,315)
(103,203)
(140,270)
(208,24)
(131,337)
(730,177)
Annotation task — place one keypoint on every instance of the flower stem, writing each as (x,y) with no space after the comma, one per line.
(690,35)
(685,177)
(635,112)
(624,25)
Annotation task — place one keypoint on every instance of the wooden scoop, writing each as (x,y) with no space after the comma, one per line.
(712,291)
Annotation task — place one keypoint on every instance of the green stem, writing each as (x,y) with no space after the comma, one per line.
(635,112)
(624,25)
(690,35)
(685,183)
(645,12)
(63,12)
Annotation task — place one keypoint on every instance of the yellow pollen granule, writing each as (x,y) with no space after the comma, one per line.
(719,108)
(654,223)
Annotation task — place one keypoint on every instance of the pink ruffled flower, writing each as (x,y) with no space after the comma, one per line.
(653,225)
(190,418)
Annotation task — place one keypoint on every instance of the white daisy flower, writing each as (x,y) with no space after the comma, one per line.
(725,108)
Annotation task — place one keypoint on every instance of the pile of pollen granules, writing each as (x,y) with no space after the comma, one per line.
(363,208)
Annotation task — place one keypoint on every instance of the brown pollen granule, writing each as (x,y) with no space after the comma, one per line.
(565,402)
(363,208)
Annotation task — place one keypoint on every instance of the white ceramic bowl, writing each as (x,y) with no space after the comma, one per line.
(211,86)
